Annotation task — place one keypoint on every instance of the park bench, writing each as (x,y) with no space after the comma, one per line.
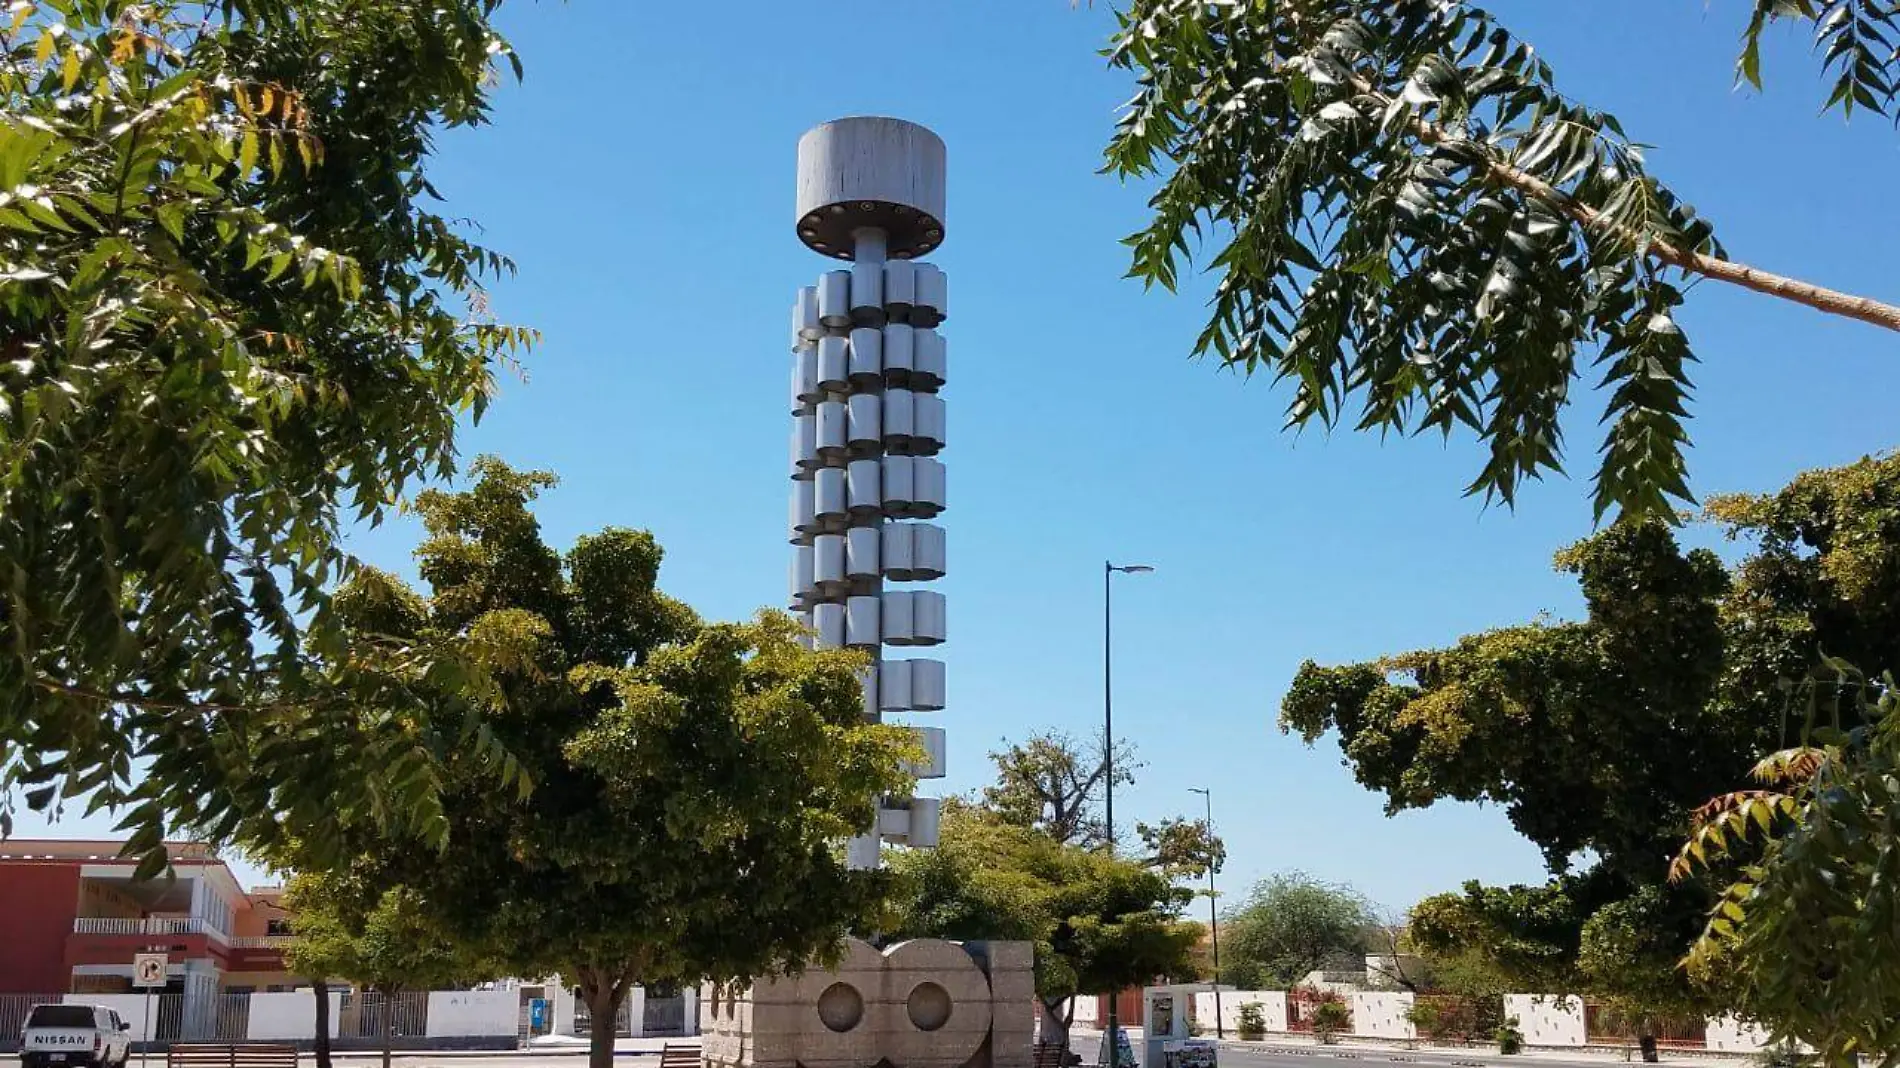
(672,1056)
(236,1055)
(1054,1055)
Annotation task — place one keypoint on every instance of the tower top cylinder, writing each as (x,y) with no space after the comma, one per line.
(875,173)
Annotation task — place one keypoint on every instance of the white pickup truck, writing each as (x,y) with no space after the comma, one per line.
(60,1035)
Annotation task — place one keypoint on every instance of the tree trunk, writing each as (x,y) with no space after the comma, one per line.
(389,1027)
(321,1041)
(1055,1027)
(603,1005)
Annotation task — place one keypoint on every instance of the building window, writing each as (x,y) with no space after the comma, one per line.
(278,926)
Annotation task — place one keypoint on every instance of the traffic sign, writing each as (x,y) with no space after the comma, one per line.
(148,970)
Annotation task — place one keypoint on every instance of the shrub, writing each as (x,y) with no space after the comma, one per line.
(1305,1003)
(1253,1020)
(1510,1039)
(1331,1018)
(1455,1018)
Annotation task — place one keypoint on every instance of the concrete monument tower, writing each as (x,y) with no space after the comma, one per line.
(868,425)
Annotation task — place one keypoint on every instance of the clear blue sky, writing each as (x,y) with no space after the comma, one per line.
(642,177)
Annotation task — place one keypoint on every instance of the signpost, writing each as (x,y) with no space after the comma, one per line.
(148,973)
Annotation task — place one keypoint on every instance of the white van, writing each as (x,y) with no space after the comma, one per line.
(75,1034)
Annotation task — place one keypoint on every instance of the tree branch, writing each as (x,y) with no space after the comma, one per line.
(164,704)
(1820,298)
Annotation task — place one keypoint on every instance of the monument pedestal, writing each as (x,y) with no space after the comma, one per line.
(919,1004)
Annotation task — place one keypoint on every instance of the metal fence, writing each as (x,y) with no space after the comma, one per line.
(1604,1026)
(662,1016)
(666,1016)
(371,1016)
(584,1018)
(13,1010)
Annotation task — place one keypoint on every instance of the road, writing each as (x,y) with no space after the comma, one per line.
(1266,1055)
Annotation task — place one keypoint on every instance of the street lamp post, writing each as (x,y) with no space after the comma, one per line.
(1110,1044)
(1213,914)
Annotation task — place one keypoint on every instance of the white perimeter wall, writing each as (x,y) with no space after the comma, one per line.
(474,1013)
(1272,1007)
(1728,1035)
(290,1015)
(1381,1014)
(1547,1020)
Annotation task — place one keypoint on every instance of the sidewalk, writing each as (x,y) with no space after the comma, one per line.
(1402,1051)
(542,1046)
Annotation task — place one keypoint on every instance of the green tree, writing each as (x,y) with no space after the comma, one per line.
(691,779)
(1182,848)
(229,323)
(1560,723)
(1049,783)
(1630,953)
(1290,925)
(1406,213)
(1100,924)
(1807,930)
(1486,942)
(384,940)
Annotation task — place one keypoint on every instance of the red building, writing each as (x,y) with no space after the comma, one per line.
(72,917)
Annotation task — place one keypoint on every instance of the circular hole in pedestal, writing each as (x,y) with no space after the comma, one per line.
(841,1007)
(928,1006)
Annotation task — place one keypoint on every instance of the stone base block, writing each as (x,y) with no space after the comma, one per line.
(919,1004)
